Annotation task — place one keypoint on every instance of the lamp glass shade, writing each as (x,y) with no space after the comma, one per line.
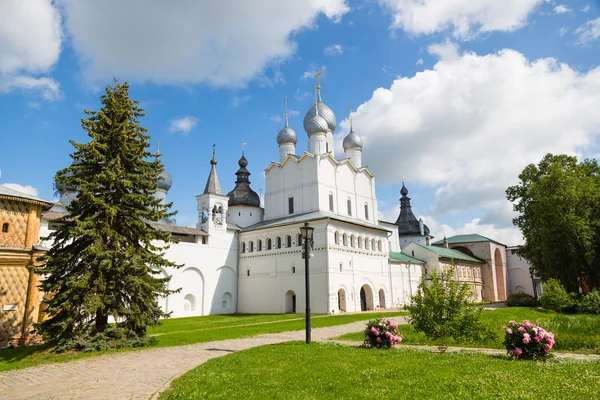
(307,232)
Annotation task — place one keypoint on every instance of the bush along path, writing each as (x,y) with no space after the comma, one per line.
(137,374)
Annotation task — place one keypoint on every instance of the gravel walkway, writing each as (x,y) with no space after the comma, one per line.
(136,374)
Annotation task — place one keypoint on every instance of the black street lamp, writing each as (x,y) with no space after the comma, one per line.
(307,237)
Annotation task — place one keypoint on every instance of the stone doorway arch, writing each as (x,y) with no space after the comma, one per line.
(382,298)
(366,298)
(500,280)
(342,300)
(290,302)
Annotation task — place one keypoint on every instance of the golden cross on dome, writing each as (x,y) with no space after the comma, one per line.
(318,76)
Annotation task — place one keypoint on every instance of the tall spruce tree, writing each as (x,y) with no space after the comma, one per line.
(106,256)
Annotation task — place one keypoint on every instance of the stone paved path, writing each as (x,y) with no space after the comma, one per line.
(136,374)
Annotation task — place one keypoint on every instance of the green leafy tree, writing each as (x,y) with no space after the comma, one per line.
(444,308)
(106,256)
(555,298)
(559,205)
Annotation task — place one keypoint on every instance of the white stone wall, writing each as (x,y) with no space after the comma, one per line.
(405,281)
(208,278)
(519,277)
(244,216)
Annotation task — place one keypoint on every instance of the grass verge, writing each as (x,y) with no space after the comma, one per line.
(182,331)
(327,371)
(573,333)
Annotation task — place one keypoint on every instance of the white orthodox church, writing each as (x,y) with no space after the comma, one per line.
(246,258)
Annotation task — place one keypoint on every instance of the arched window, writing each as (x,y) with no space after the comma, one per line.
(251,246)
(331,202)
(373,244)
(293,270)
(360,242)
(299,240)
(243,247)
(269,243)
(259,245)
(288,241)
(351,240)
(379,245)
(366,211)
(5,227)
(278,242)
(290,205)
(336,237)
(326,147)
(345,239)
(349,205)
(367,243)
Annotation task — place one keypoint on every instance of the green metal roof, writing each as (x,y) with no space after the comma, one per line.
(451,253)
(468,238)
(405,258)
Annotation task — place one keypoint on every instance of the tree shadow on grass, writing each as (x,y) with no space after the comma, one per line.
(18,353)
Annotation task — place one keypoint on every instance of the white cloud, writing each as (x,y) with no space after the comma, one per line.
(237,101)
(276,118)
(188,40)
(420,61)
(589,31)
(471,124)
(585,8)
(464,18)
(561,9)
(183,125)
(28,189)
(294,113)
(30,36)
(30,42)
(509,236)
(563,30)
(48,88)
(333,50)
(445,51)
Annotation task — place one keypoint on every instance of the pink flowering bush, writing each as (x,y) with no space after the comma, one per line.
(382,333)
(527,341)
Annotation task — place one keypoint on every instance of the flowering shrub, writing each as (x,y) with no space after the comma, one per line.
(382,332)
(527,341)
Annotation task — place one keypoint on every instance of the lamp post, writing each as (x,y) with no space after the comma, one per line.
(307,237)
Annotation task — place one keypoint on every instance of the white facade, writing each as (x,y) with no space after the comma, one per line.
(519,275)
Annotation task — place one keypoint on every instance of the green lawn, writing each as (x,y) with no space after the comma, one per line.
(183,331)
(326,371)
(573,333)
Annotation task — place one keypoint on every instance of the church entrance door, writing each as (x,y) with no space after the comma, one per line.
(290,302)
(381,298)
(366,298)
(342,300)
(363,299)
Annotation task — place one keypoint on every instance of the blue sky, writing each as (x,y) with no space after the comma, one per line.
(457,98)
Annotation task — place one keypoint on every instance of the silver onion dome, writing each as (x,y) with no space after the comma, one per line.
(316,124)
(165,181)
(287,135)
(352,140)
(324,112)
